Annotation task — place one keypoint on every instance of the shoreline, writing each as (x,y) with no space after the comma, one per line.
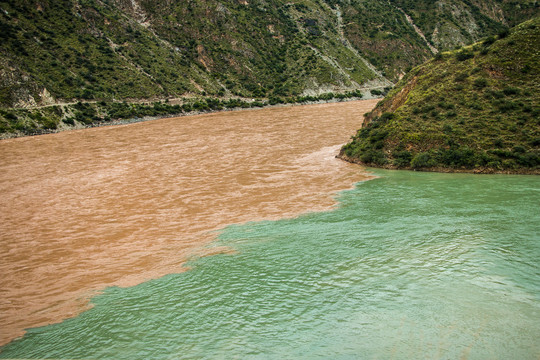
(134,120)
(477,171)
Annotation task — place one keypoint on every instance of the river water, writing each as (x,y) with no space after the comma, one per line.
(408,265)
(84,210)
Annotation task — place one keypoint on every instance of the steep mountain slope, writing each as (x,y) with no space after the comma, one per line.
(447,24)
(127,49)
(477,108)
(62,50)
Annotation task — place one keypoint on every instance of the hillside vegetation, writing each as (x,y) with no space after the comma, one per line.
(121,49)
(71,63)
(473,109)
(53,118)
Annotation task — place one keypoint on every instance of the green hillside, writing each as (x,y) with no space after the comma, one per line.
(119,49)
(128,58)
(106,50)
(473,109)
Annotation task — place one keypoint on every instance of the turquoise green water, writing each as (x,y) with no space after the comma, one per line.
(411,265)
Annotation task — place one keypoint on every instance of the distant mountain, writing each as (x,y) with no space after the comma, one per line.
(66,50)
(473,109)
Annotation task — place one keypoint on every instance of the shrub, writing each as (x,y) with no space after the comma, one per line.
(505,106)
(428,108)
(458,157)
(510,91)
(373,157)
(476,105)
(50,124)
(402,159)
(378,135)
(275,100)
(503,33)
(488,41)
(11,116)
(386,116)
(480,83)
(447,128)
(528,159)
(490,93)
(422,160)
(444,105)
(464,55)
(20,126)
(461,76)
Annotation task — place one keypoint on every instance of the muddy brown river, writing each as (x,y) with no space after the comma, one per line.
(116,206)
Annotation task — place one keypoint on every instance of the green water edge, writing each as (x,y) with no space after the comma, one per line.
(410,265)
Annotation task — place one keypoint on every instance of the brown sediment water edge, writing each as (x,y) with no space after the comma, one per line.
(83,210)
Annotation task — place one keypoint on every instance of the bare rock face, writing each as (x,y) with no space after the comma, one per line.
(46,97)
(133,9)
(17,89)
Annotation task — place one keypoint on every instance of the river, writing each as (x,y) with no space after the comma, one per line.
(402,265)
(84,210)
